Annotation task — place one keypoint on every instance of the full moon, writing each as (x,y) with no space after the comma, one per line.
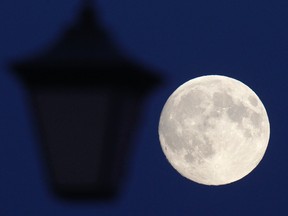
(214,130)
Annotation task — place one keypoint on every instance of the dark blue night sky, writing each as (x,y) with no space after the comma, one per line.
(243,39)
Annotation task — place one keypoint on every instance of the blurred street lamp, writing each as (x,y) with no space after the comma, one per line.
(87,98)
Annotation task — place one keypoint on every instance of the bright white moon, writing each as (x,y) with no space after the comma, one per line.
(214,130)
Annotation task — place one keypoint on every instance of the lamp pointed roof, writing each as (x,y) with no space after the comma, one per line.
(84,55)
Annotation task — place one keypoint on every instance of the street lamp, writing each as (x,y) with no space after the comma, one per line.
(87,97)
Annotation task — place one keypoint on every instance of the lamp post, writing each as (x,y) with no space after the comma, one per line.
(87,97)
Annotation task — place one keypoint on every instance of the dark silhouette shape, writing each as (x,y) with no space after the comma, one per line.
(87,97)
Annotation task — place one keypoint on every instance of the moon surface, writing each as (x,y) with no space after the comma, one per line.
(214,130)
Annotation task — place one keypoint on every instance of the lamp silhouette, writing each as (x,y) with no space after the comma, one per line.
(87,97)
